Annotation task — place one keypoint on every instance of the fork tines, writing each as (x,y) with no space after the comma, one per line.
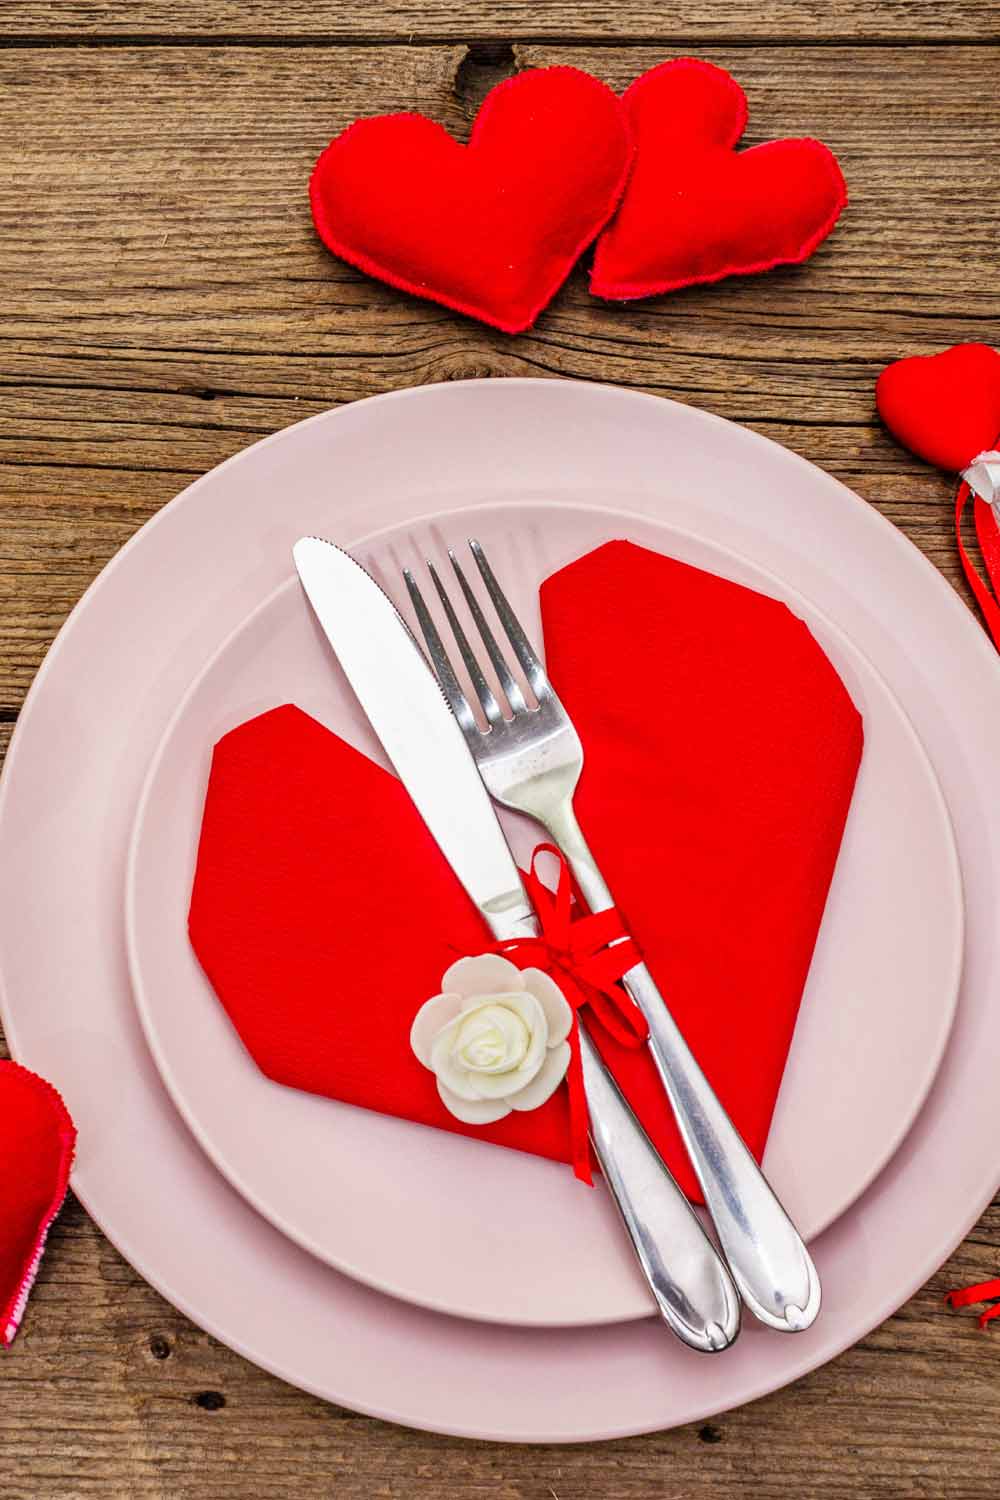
(441,661)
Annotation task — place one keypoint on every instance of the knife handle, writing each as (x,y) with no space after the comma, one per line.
(769,1261)
(693,1290)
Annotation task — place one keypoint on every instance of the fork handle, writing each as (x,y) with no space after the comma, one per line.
(688,1278)
(770,1264)
(692,1288)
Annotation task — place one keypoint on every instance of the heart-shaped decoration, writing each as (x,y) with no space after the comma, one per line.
(303,912)
(37,1140)
(943,407)
(491,229)
(695,210)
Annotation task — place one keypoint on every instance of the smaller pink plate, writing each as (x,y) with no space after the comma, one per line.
(378,1197)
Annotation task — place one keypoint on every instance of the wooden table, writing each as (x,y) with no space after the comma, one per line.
(163,303)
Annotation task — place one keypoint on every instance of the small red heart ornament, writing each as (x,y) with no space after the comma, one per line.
(695,210)
(943,407)
(491,229)
(37,1140)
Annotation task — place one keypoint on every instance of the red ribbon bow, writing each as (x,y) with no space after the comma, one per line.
(586,956)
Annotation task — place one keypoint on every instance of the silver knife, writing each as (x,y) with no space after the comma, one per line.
(400,694)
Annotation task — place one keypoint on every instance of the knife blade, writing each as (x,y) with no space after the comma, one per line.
(399,693)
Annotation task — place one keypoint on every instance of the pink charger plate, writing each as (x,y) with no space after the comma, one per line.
(886,967)
(80,753)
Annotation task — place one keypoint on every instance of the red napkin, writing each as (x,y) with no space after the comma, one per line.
(722,750)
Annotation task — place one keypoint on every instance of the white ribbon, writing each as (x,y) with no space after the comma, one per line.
(983,478)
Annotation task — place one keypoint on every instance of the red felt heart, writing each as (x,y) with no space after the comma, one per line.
(491,229)
(716,804)
(695,210)
(944,407)
(37,1139)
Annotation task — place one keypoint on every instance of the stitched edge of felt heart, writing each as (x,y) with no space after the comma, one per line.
(908,388)
(12,1309)
(563,264)
(624,291)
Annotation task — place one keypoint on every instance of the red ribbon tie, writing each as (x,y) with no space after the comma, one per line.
(586,956)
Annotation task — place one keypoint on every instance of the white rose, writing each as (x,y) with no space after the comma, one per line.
(495,1038)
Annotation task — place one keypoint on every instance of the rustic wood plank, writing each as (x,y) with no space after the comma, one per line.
(197,247)
(165,303)
(701,20)
(192,167)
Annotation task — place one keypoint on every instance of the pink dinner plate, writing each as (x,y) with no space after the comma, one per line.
(80,754)
(340,1180)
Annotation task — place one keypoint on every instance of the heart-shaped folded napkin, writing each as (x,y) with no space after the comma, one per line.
(37,1140)
(721,753)
(943,407)
(695,209)
(491,229)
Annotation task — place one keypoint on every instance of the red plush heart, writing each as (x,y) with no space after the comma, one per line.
(944,407)
(694,209)
(37,1139)
(491,229)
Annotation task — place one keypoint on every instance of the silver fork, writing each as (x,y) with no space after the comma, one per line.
(530,759)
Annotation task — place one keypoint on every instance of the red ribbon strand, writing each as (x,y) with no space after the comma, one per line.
(984,1292)
(988,534)
(586,956)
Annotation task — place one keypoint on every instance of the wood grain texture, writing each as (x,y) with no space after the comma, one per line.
(400,21)
(165,303)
